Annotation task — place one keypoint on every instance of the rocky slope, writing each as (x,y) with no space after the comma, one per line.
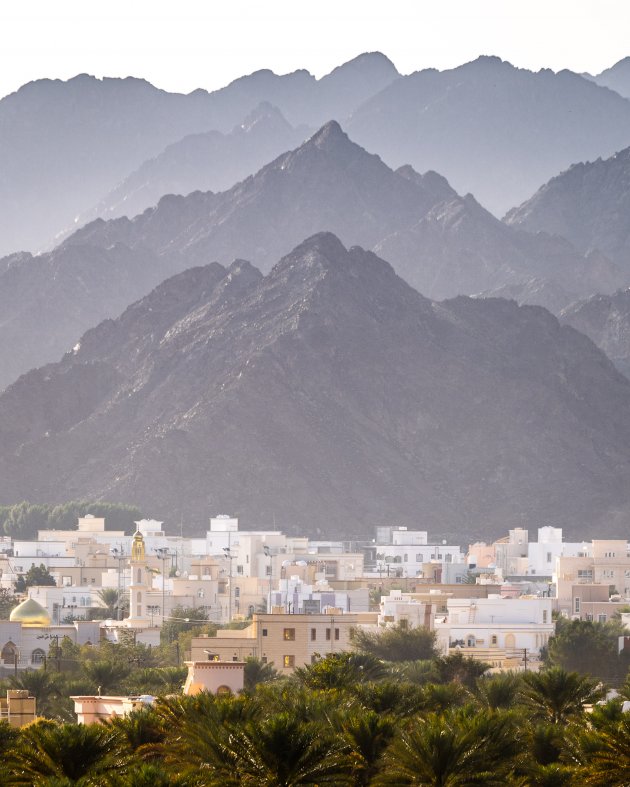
(211,161)
(441,243)
(606,320)
(332,396)
(64,145)
(616,77)
(492,129)
(589,204)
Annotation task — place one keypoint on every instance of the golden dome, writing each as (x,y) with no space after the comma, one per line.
(30,613)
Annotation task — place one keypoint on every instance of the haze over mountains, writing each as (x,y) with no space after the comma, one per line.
(328,394)
(606,320)
(65,145)
(330,390)
(589,204)
(441,243)
(211,161)
(491,129)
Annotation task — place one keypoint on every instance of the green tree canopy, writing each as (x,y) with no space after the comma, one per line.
(396,643)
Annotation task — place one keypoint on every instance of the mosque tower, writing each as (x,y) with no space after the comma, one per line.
(138,588)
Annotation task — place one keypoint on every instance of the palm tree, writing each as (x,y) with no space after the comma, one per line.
(454,749)
(605,756)
(105,675)
(110,598)
(49,753)
(556,695)
(258,671)
(142,731)
(365,736)
(499,691)
(283,752)
(340,670)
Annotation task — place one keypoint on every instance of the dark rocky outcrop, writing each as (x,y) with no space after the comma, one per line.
(330,396)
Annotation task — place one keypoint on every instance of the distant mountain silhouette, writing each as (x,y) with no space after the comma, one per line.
(589,204)
(441,243)
(616,77)
(211,161)
(64,145)
(606,320)
(492,129)
(330,395)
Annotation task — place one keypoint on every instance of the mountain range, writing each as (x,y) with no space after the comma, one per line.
(65,145)
(211,161)
(589,204)
(617,77)
(330,396)
(72,150)
(492,129)
(441,243)
(606,320)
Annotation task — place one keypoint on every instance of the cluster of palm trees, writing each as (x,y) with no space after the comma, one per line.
(348,719)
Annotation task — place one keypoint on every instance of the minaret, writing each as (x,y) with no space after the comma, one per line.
(138,587)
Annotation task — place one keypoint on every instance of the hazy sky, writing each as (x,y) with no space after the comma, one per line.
(183,44)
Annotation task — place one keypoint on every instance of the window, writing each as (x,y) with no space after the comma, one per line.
(494,639)
(288,661)
(576,605)
(548,557)
(313,635)
(404,624)
(264,632)
(470,641)
(237,592)
(419,558)
(289,635)
(406,557)
(268,570)
(448,558)
(139,597)
(38,656)
(601,618)
(328,634)
(139,575)
(9,652)
(239,569)
(544,615)
(336,633)
(139,611)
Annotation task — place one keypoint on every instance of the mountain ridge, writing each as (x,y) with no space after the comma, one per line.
(332,395)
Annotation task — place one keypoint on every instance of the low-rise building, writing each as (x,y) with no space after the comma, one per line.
(287,641)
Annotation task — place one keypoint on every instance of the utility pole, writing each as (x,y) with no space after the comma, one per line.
(229,556)
(525,659)
(267,552)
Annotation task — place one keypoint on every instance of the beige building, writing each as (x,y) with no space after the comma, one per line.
(18,708)
(605,563)
(287,641)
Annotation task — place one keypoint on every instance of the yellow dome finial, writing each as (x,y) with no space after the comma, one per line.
(137,547)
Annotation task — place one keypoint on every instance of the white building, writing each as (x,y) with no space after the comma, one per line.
(483,625)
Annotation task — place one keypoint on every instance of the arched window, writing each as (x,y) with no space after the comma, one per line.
(139,597)
(9,652)
(471,641)
(510,641)
(38,656)
(139,576)
(494,639)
